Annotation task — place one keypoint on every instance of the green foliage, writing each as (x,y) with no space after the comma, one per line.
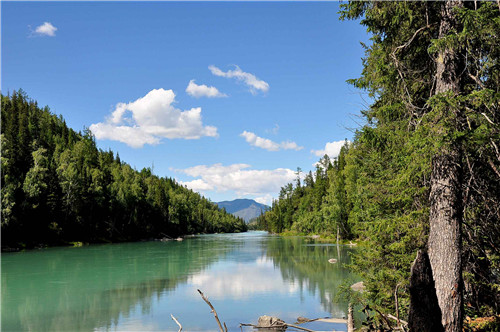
(377,190)
(57,187)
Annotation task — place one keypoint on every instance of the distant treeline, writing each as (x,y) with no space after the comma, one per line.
(423,171)
(58,187)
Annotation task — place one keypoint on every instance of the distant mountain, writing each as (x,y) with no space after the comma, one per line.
(244,208)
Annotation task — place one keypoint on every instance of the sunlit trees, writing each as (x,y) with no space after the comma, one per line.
(57,187)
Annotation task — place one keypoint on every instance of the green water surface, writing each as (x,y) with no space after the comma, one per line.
(136,286)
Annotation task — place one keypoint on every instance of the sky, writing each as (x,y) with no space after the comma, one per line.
(228,98)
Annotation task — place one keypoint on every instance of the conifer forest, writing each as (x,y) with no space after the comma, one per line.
(414,195)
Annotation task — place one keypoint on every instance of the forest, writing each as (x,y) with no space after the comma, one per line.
(423,171)
(59,188)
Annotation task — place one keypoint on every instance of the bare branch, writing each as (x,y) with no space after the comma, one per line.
(477,80)
(493,167)
(397,319)
(496,149)
(175,320)
(213,310)
(411,39)
(397,303)
(484,114)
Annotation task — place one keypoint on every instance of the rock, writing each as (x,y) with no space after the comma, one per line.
(270,322)
(179,239)
(332,261)
(358,287)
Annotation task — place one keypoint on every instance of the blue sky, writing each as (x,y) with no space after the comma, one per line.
(266,95)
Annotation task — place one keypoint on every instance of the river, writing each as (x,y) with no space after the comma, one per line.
(136,286)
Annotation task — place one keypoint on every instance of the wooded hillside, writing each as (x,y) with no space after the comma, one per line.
(58,187)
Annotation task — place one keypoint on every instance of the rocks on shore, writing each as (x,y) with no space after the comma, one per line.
(270,322)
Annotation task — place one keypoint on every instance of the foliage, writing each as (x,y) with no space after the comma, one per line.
(58,187)
(377,190)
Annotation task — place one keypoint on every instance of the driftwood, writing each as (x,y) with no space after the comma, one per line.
(213,311)
(280,325)
(175,320)
(284,326)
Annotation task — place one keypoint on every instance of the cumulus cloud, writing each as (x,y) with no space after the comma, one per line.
(150,119)
(332,149)
(238,178)
(250,80)
(266,199)
(267,144)
(198,91)
(46,29)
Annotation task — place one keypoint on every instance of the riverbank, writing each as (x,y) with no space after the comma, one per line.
(327,238)
(44,245)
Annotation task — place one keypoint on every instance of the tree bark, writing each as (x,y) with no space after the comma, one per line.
(445,196)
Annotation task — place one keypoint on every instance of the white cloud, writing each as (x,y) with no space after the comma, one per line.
(250,80)
(197,185)
(332,149)
(266,199)
(267,144)
(238,178)
(198,91)
(274,131)
(150,119)
(46,29)
(244,280)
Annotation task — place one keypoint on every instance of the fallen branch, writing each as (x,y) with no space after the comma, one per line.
(213,311)
(395,318)
(175,320)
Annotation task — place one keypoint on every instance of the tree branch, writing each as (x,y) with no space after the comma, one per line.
(213,310)
(175,320)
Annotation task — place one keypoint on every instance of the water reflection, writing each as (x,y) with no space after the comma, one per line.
(75,289)
(136,286)
(305,263)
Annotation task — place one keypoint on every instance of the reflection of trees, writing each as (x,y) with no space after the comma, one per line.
(306,263)
(90,287)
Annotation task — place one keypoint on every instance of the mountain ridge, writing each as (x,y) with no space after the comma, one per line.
(244,208)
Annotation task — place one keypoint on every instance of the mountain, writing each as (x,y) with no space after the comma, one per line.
(244,208)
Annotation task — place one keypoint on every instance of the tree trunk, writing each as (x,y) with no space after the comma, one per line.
(445,197)
(424,315)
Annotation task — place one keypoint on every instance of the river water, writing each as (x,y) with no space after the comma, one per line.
(136,286)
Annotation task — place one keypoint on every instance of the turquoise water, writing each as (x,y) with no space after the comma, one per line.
(136,286)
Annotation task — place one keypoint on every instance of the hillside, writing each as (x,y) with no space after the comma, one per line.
(246,209)
(58,187)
